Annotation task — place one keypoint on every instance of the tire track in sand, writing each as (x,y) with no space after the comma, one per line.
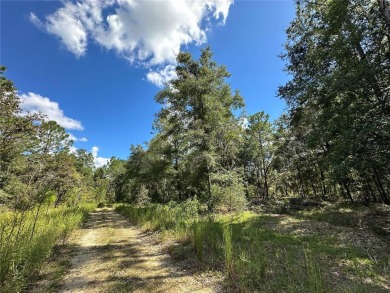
(111,255)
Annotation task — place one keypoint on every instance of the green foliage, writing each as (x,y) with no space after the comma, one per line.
(101,205)
(27,240)
(227,241)
(337,53)
(16,132)
(37,171)
(227,192)
(156,217)
(106,180)
(259,153)
(197,134)
(35,158)
(328,146)
(143,196)
(257,257)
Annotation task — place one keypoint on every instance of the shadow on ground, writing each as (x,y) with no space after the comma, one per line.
(111,255)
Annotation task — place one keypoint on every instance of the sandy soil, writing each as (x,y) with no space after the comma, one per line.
(111,255)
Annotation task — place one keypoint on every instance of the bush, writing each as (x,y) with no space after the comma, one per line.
(101,205)
(227,193)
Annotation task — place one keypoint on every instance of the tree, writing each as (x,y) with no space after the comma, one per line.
(51,138)
(16,132)
(259,152)
(197,123)
(338,55)
(107,179)
(35,161)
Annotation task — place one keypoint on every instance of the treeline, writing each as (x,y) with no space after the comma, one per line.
(38,166)
(334,141)
(46,189)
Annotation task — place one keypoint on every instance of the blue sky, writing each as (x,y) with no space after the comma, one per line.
(95,66)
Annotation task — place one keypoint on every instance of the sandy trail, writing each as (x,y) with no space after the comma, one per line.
(111,255)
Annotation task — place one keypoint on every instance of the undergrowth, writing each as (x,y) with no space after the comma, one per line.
(257,257)
(375,217)
(27,239)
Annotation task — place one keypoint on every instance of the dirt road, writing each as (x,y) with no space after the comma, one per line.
(111,255)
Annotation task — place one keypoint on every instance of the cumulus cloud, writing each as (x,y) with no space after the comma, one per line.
(82,139)
(74,138)
(161,76)
(144,32)
(34,103)
(99,161)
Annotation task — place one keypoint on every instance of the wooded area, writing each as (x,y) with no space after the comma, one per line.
(332,144)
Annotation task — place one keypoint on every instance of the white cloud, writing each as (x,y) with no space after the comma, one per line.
(144,32)
(222,9)
(35,20)
(65,24)
(73,149)
(35,103)
(74,138)
(99,161)
(160,77)
(243,122)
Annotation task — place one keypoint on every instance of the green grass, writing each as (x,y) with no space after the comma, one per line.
(340,215)
(258,254)
(27,240)
(51,275)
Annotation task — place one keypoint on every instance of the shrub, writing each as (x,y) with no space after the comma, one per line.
(228,192)
(101,205)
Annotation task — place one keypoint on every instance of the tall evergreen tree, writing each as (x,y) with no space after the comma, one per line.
(198,122)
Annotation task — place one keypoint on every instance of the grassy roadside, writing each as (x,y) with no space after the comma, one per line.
(28,239)
(272,253)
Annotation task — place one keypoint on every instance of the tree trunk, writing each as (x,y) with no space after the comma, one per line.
(266,186)
(380,188)
(286,189)
(324,193)
(314,189)
(177,179)
(371,191)
(302,183)
(265,176)
(208,179)
(347,190)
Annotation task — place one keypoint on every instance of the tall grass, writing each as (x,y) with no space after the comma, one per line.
(228,247)
(27,239)
(255,258)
